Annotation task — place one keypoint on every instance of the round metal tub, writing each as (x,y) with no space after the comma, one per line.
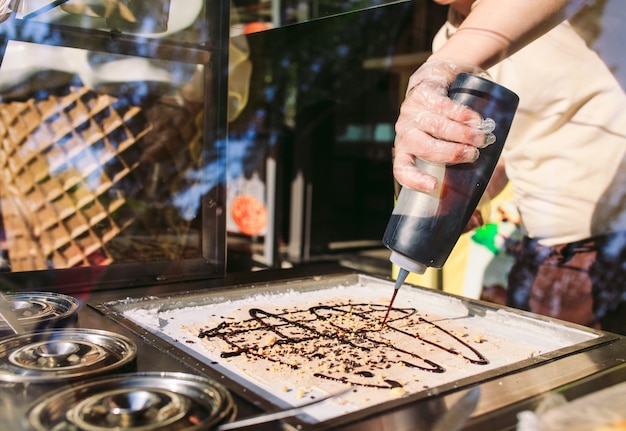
(40,310)
(62,355)
(135,402)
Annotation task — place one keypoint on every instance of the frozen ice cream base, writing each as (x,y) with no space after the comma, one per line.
(291,343)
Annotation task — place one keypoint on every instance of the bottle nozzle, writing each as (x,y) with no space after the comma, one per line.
(402,275)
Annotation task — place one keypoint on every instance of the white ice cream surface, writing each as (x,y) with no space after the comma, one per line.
(294,346)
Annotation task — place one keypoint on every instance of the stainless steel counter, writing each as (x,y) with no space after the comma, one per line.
(573,372)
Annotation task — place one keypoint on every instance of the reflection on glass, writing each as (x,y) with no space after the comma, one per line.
(95,178)
(264,14)
(172,19)
(126,15)
(298,10)
(103,156)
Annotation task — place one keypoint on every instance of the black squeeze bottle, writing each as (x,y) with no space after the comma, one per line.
(424,227)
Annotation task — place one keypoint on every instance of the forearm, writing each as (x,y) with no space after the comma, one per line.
(433,128)
(496,29)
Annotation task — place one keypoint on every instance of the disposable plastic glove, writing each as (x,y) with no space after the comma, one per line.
(433,127)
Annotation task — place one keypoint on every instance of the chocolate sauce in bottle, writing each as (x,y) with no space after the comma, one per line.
(424,227)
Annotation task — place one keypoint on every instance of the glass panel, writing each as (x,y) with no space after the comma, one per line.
(310,154)
(109,153)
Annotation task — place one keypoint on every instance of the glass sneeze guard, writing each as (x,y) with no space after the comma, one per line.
(112,142)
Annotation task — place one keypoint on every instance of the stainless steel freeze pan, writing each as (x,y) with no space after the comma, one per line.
(436,344)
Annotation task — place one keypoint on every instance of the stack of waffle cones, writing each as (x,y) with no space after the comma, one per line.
(74,180)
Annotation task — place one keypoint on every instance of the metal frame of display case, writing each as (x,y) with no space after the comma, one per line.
(212,52)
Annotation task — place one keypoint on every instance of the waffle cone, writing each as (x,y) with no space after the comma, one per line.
(74,180)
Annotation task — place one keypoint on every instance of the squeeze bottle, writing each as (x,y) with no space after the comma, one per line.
(424,227)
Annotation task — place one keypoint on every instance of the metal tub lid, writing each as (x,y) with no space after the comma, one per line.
(40,310)
(137,401)
(60,355)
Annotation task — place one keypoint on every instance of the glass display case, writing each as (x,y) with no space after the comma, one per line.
(113,141)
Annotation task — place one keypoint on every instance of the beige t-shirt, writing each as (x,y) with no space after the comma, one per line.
(566,152)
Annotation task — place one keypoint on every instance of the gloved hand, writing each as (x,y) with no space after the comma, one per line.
(433,127)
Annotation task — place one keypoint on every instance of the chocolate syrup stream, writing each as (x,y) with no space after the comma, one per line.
(402,275)
(393,298)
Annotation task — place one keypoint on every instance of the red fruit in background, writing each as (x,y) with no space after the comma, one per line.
(249,214)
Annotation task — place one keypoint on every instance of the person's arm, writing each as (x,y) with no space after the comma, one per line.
(434,128)
(495,29)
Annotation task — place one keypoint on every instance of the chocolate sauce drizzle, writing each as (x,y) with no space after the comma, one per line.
(344,340)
